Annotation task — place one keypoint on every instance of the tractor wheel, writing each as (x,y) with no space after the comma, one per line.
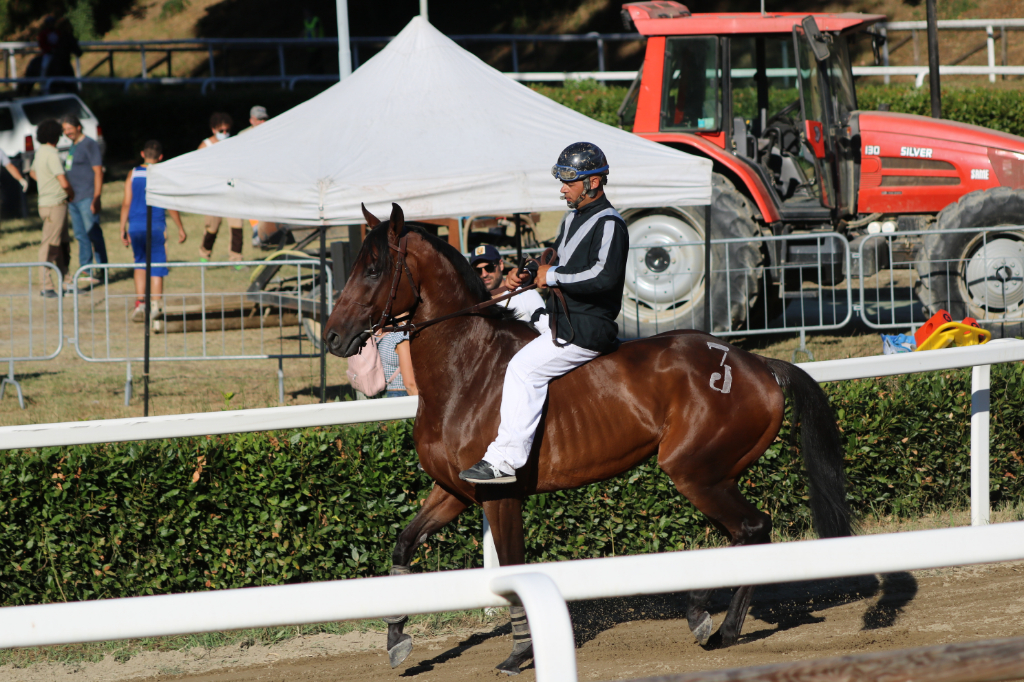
(974,274)
(665,284)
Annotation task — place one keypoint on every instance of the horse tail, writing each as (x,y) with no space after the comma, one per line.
(821,449)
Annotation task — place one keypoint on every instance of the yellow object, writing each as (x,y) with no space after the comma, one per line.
(955,333)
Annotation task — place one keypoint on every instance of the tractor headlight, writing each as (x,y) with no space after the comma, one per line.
(1008,166)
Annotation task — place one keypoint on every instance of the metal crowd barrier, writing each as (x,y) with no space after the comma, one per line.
(906,275)
(201,321)
(32,324)
(806,288)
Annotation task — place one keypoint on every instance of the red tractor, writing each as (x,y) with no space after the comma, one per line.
(794,154)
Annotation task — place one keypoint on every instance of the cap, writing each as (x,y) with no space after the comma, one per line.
(484,252)
(258,112)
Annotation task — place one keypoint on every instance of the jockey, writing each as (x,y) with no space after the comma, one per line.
(590,272)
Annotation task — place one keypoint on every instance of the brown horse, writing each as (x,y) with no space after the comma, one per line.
(708,410)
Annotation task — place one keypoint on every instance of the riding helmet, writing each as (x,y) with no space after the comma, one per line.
(580,160)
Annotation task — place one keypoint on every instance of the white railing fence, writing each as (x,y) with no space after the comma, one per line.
(543,589)
(29,325)
(201,320)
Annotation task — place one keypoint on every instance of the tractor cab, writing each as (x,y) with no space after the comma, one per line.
(774,94)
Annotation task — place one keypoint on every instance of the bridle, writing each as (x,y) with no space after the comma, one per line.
(390,323)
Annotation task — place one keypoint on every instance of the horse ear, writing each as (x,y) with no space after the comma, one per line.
(371,220)
(397,222)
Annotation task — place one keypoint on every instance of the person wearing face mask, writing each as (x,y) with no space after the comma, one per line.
(590,273)
(220,127)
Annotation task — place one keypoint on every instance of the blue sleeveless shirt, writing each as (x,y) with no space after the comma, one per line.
(137,210)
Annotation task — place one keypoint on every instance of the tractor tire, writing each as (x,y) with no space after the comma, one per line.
(665,285)
(971,275)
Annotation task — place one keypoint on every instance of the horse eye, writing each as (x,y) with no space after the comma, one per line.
(372,272)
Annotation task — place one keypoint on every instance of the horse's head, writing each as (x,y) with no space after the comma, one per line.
(365,297)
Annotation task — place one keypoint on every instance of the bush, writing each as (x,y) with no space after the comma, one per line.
(996,109)
(157,517)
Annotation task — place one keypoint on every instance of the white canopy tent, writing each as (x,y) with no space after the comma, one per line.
(425,124)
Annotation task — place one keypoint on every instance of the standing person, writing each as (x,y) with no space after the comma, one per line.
(220,127)
(262,230)
(397,362)
(54,193)
(257,117)
(84,170)
(5,162)
(529,305)
(592,250)
(133,232)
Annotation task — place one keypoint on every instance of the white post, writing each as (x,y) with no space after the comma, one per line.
(490,553)
(423,10)
(885,52)
(980,376)
(554,647)
(344,50)
(991,53)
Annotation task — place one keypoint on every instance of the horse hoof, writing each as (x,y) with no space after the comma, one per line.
(719,641)
(400,651)
(511,665)
(702,633)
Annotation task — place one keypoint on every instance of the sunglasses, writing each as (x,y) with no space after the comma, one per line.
(489,268)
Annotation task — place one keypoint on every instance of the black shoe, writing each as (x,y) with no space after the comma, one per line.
(485,472)
(49,293)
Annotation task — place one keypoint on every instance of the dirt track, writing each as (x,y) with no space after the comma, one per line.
(638,637)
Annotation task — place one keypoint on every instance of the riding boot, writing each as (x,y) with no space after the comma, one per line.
(399,644)
(522,643)
(235,252)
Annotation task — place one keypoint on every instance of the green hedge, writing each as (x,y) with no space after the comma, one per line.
(997,109)
(259,509)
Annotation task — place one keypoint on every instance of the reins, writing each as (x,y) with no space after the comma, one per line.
(390,323)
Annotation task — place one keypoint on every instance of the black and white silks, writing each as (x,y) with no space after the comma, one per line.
(592,248)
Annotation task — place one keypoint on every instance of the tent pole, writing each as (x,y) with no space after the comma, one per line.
(149,305)
(344,50)
(423,10)
(323,312)
(707,269)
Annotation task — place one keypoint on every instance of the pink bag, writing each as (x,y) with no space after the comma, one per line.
(366,371)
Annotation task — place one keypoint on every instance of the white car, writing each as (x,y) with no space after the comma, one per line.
(19,118)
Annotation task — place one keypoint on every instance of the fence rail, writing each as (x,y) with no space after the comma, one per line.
(543,589)
(201,323)
(27,331)
(897,290)
(145,49)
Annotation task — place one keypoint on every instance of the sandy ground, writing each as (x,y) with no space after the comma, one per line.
(624,639)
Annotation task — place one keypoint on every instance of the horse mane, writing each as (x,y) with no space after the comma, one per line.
(377,239)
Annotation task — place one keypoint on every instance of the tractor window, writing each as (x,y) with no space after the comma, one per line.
(841,80)
(691,92)
(813,109)
(779,77)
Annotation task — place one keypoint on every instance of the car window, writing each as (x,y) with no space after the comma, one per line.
(37,112)
(6,119)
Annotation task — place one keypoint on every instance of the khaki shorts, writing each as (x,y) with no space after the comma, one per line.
(212,223)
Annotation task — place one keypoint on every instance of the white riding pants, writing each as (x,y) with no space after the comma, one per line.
(523,395)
